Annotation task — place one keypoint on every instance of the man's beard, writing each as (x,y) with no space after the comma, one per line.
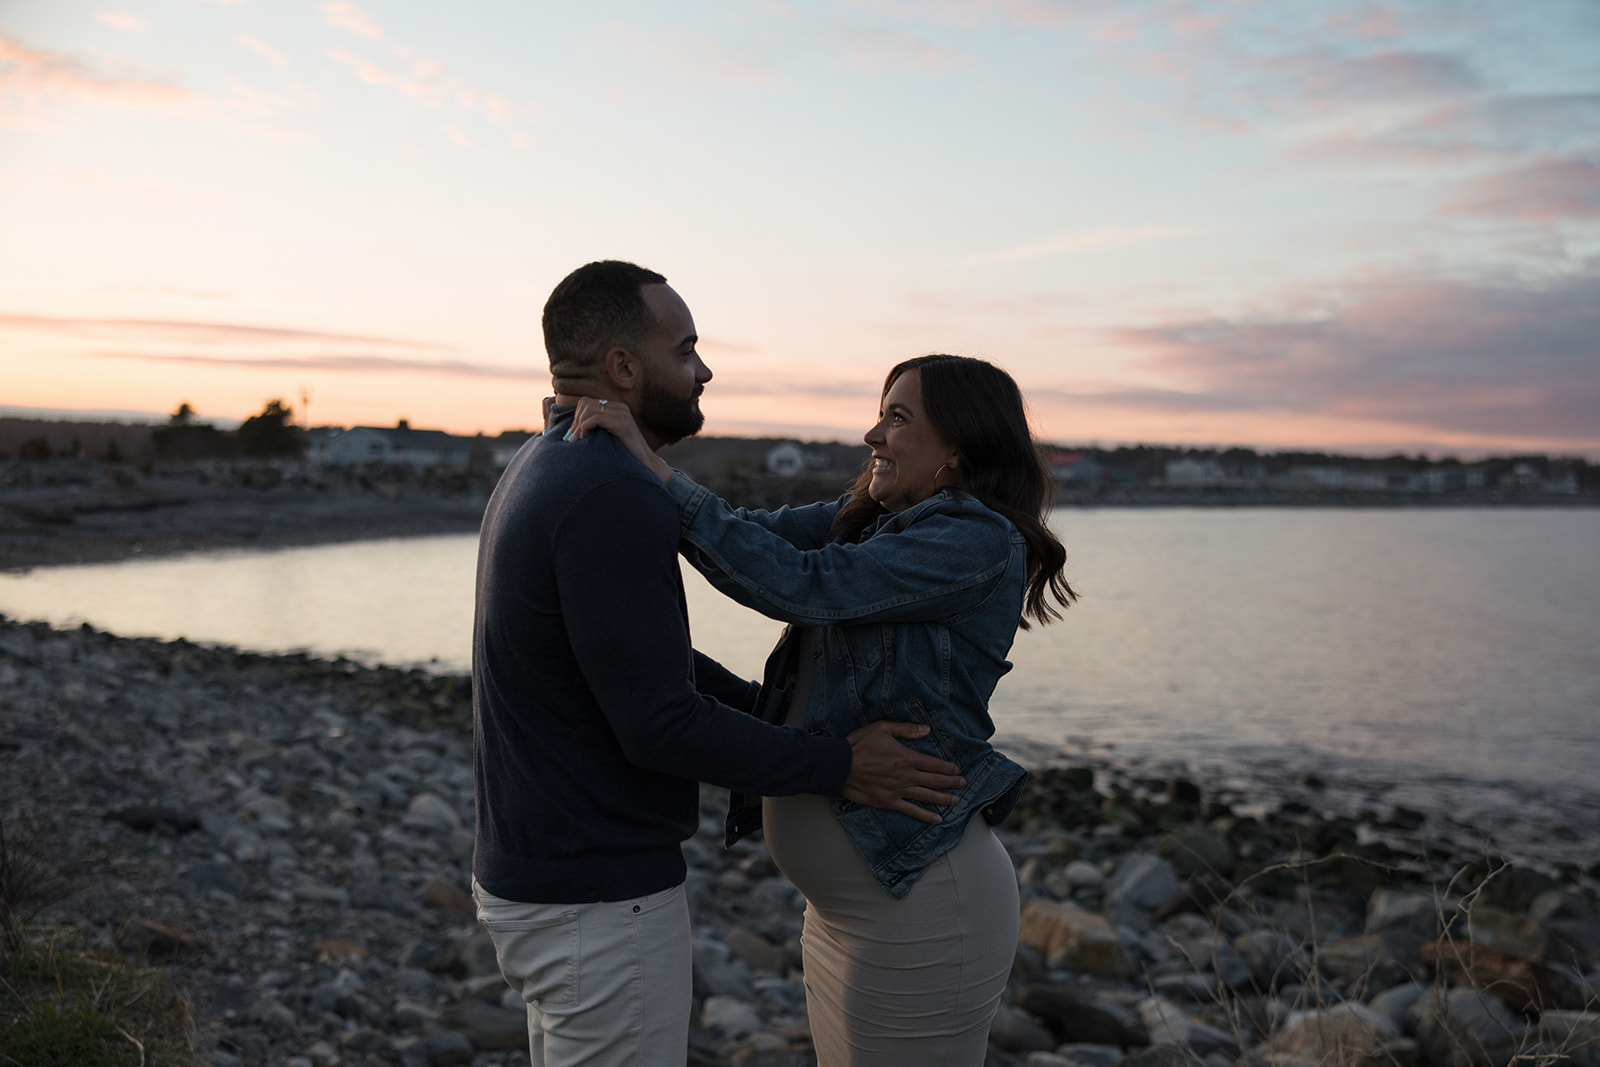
(669,417)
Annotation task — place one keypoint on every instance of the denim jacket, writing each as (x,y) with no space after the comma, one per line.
(917,618)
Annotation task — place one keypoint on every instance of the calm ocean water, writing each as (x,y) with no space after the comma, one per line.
(1445,659)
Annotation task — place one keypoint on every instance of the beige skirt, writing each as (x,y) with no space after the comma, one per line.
(914,981)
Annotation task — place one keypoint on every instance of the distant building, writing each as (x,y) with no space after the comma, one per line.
(1075,467)
(789,458)
(786,460)
(1194,471)
(400,445)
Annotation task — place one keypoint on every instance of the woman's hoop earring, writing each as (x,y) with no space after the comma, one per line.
(938,472)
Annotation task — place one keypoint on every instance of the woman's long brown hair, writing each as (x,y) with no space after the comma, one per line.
(977,409)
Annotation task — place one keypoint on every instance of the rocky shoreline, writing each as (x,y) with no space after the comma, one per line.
(290,839)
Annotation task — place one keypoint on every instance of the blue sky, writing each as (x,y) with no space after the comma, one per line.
(1360,226)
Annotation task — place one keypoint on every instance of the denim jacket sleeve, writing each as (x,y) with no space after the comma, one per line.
(803,527)
(936,560)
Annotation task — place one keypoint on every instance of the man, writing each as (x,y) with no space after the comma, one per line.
(594,719)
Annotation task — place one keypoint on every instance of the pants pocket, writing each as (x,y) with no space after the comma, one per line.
(537,946)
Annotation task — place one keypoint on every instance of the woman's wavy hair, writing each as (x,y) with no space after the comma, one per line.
(977,408)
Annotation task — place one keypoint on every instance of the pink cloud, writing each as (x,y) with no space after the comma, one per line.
(1372,22)
(122,20)
(262,49)
(1392,75)
(349,17)
(1471,358)
(1550,190)
(30,77)
(701,58)
(344,363)
(178,332)
(874,49)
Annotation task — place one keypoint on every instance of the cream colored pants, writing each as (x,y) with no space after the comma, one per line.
(607,984)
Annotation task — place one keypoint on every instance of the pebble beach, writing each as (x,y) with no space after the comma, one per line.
(289,838)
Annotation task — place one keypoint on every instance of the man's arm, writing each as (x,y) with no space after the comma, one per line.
(618,586)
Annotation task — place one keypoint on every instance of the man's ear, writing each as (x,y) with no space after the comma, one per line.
(622,368)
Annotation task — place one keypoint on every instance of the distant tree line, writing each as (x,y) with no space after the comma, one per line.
(1142,464)
(267,435)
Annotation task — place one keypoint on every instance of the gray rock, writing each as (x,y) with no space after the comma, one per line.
(487,1026)
(1465,1028)
(1272,957)
(1395,1004)
(1196,849)
(1169,1024)
(1083,1018)
(447,1048)
(730,1017)
(1016,1031)
(1085,1054)
(1142,880)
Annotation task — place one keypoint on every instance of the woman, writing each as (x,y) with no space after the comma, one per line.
(903,598)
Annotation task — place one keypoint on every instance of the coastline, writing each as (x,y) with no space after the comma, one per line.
(290,838)
(59,512)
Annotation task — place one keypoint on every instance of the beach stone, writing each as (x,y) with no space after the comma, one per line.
(447,1048)
(1272,957)
(211,875)
(433,812)
(446,895)
(1081,874)
(1525,985)
(1163,1056)
(1406,911)
(1168,1024)
(152,940)
(1344,1035)
(487,1027)
(1573,1034)
(245,845)
(716,974)
(1505,932)
(1362,961)
(731,1017)
(1395,1004)
(1081,1018)
(1195,849)
(1142,880)
(1014,1030)
(1572,925)
(1049,1059)
(1088,1054)
(756,951)
(1074,939)
(1465,1028)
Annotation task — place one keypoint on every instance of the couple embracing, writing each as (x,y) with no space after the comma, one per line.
(863,753)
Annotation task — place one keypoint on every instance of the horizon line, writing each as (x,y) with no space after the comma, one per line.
(133,417)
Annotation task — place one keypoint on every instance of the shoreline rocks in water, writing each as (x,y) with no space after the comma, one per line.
(290,839)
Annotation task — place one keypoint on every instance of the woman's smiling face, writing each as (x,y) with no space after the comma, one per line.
(907,451)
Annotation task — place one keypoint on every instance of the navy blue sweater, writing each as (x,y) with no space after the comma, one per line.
(593,718)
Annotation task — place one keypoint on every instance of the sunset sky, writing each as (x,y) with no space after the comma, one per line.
(1353,226)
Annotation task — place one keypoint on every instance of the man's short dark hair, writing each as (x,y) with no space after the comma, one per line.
(596,308)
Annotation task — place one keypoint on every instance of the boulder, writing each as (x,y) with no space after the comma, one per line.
(1466,1028)
(1142,880)
(1074,939)
(1014,1030)
(1169,1024)
(1344,1035)
(1077,1017)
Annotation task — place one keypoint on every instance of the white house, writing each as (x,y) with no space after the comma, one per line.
(399,444)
